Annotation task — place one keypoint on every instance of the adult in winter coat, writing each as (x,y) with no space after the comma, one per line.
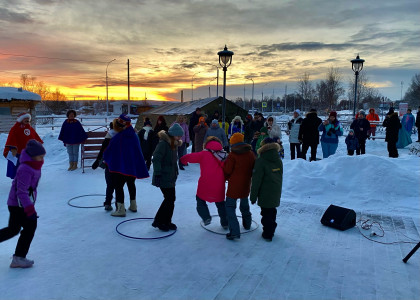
(195,117)
(352,142)
(238,172)
(182,149)
(266,186)
(165,173)
(293,132)
(21,203)
(392,124)
(147,137)
(404,135)
(19,135)
(99,162)
(248,131)
(199,132)
(211,184)
(236,126)
(309,134)
(72,135)
(215,130)
(418,124)
(331,130)
(361,128)
(125,162)
(372,117)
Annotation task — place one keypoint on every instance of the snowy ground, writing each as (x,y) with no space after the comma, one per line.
(79,255)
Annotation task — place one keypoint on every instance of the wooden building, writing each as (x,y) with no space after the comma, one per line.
(208,106)
(14,101)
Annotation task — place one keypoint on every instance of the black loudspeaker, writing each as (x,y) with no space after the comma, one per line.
(339,217)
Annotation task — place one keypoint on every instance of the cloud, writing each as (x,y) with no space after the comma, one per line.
(9,16)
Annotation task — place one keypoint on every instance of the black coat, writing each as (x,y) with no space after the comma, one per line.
(308,131)
(149,145)
(392,124)
(193,121)
(361,128)
(418,119)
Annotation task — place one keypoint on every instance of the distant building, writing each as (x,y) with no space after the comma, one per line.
(208,106)
(14,101)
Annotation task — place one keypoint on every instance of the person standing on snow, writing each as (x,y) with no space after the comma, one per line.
(211,184)
(404,135)
(236,126)
(72,135)
(331,130)
(200,131)
(238,172)
(361,128)
(165,173)
(21,203)
(309,134)
(218,132)
(372,117)
(418,124)
(392,124)
(147,137)
(351,142)
(266,185)
(182,149)
(293,132)
(195,117)
(19,135)
(125,162)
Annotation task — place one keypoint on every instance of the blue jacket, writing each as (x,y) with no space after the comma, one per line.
(407,122)
(352,142)
(72,132)
(330,132)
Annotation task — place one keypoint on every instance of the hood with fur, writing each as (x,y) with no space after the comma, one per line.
(165,137)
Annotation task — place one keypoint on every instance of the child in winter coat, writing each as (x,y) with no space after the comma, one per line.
(165,173)
(266,186)
(211,184)
(21,203)
(238,172)
(352,142)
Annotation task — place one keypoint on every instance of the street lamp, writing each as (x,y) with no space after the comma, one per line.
(357,66)
(192,86)
(209,85)
(262,96)
(225,59)
(252,98)
(106,77)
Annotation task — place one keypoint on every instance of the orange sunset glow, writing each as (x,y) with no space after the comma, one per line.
(172,46)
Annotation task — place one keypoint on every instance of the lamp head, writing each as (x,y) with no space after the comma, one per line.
(357,64)
(225,57)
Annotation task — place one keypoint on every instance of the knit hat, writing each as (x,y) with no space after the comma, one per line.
(297,111)
(123,120)
(362,112)
(147,122)
(34,148)
(214,122)
(267,141)
(176,130)
(201,120)
(264,129)
(351,130)
(23,116)
(333,114)
(236,138)
(391,110)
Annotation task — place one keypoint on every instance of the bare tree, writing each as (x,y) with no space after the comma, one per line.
(306,90)
(330,90)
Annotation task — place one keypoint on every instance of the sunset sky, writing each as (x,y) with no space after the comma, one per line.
(68,43)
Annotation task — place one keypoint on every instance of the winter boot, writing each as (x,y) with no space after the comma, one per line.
(108,207)
(70,166)
(133,205)
(232,237)
(120,211)
(74,166)
(21,262)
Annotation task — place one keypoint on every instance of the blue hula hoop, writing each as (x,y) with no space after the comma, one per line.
(78,206)
(141,238)
(224,233)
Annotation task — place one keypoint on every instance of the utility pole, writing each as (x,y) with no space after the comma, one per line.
(272,102)
(285,99)
(128,81)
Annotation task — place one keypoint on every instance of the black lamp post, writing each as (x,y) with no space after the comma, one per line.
(357,66)
(225,59)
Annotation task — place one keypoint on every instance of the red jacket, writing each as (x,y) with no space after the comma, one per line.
(19,136)
(372,117)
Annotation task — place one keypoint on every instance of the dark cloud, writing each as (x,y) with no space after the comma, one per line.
(306,46)
(7,15)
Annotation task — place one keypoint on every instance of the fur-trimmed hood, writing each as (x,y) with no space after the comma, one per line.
(267,147)
(165,137)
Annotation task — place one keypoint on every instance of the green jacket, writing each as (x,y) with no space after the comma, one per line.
(165,161)
(267,177)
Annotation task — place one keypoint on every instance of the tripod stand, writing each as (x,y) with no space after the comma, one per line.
(411,252)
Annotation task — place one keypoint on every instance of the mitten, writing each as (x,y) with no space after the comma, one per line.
(156,180)
(30,212)
(95,164)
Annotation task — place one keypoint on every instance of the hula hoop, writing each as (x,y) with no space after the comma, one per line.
(141,238)
(247,231)
(78,206)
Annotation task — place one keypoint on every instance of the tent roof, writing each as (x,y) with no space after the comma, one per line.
(12,93)
(181,108)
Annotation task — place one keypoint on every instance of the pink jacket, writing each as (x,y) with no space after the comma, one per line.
(211,184)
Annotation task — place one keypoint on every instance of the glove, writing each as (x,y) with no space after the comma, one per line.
(156,180)
(30,212)
(95,164)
